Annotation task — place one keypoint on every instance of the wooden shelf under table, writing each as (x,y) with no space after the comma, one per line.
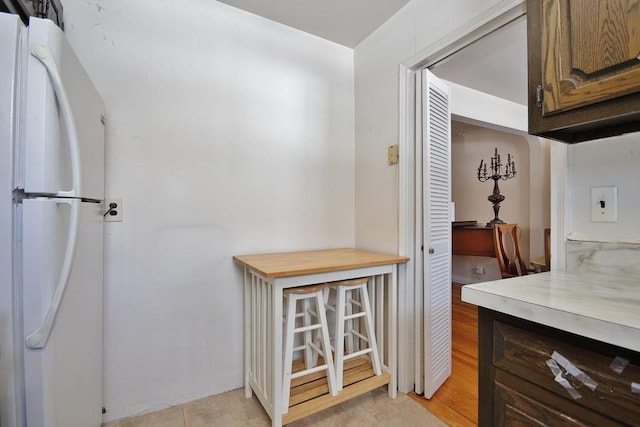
(310,394)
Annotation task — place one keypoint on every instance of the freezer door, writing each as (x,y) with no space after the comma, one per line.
(63,380)
(46,162)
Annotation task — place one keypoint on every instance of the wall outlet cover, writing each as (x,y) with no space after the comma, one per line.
(113,214)
(478,269)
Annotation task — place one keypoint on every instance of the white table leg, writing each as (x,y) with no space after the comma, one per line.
(247,336)
(393,332)
(276,354)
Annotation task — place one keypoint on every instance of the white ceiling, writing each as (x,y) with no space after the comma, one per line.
(346,22)
(496,64)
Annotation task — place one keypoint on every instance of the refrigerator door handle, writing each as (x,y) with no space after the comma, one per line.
(45,56)
(38,339)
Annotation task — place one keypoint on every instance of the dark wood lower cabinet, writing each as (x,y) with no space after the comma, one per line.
(516,387)
(514,408)
(519,403)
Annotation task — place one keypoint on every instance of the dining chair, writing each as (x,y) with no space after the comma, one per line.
(547,249)
(506,241)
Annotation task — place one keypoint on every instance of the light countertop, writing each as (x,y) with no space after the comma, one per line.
(598,306)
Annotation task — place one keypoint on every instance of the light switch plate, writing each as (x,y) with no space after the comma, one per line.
(393,154)
(604,204)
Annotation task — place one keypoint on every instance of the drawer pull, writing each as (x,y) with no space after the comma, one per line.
(575,371)
(618,364)
(556,370)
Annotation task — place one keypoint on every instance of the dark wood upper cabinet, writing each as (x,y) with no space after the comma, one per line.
(584,68)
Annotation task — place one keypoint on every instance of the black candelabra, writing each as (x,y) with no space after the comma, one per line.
(496,175)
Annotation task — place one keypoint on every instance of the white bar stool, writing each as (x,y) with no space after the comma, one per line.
(345,313)
(306,294)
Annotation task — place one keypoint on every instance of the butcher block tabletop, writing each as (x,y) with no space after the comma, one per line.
(285,264)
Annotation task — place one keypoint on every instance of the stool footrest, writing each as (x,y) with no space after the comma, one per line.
(359,335)
(317,349)
(299,348)
(307,328)
(357,353)
(355,315)
(355,302)
(308,371)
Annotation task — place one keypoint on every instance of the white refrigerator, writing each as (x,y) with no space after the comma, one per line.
(51,231)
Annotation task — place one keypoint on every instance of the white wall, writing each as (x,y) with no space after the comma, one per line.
(470,195)
(226,134)
(506,122)
(414,28)
(599,163)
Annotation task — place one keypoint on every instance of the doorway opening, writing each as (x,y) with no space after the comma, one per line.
(501,121)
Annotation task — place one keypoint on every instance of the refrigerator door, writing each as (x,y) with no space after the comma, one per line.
(49,128)
(63,380)
(10,27)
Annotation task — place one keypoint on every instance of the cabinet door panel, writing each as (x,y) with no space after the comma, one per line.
(524,354)
(601,24)
(590,51)
(516,408)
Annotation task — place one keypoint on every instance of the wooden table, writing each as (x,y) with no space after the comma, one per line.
(265,277)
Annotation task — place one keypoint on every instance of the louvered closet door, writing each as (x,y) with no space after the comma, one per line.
(436,142)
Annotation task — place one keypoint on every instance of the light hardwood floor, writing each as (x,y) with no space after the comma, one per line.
(456,402)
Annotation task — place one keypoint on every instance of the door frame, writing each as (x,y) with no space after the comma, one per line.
(410,136)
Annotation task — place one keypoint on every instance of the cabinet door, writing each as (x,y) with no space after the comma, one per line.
(514,408)
(592,52)
(583,68)
(516,388)
(524,353)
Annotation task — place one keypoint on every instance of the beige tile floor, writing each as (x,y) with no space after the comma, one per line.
(231,409)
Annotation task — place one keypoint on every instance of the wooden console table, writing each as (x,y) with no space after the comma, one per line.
(474,241)
(266,275)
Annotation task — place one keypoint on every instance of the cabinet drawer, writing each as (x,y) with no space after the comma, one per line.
(524,354)
(519,405)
